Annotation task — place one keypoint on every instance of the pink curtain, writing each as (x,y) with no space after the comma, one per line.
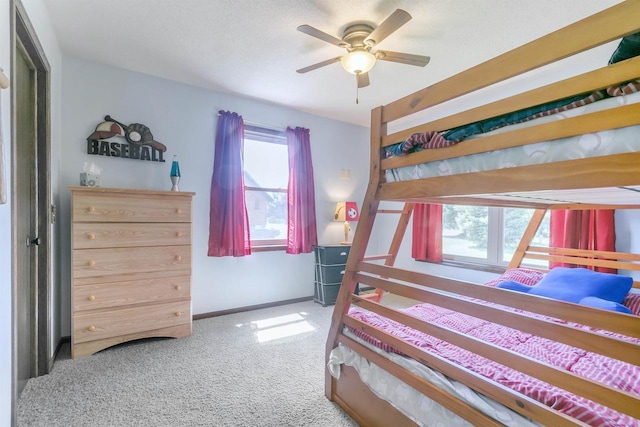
(427,232)
(583,229)
(228,221)
(301,230)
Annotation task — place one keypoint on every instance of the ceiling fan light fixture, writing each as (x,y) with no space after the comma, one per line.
(358,61)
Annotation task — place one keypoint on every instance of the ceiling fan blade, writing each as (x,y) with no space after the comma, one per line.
(363,80)
(318,65)
(314,32)
(396,20)
(403,58)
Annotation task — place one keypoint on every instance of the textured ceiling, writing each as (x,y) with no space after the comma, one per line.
(251,47)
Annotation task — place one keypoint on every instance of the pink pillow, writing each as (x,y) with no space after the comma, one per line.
(632,302)
(521,275)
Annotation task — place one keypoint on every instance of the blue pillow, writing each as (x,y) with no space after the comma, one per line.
(514,286)
(604,304)
(573,284)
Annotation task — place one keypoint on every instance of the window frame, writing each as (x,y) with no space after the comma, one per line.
(495,246)
(271,136)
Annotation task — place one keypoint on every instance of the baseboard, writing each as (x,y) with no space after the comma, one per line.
(249,308)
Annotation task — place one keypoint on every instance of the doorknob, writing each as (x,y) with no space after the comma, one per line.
(35,241)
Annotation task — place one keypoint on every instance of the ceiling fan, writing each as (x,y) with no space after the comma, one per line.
(359,39)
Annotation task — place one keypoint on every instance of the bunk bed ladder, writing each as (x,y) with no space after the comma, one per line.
(390,257)
(527,238)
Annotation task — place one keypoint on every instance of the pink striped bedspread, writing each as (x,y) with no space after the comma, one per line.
(621,375)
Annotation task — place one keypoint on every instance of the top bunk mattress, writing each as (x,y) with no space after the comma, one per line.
(616,141)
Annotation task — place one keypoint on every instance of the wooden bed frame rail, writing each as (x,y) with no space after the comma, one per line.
(378,271)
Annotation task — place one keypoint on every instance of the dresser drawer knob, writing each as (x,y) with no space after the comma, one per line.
(91,236)
(91,209)
(178,314)
(91,328)
(91,298)
(178,234)
(178,210)
(178,258)
(91,263)
(178,287)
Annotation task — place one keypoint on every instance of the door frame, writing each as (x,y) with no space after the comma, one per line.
(22,32)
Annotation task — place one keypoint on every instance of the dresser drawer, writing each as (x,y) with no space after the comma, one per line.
(329,255)
(96,325)
(328,294)
(130,208)
(106,295)
(112,261)
(330,274)
(87,235)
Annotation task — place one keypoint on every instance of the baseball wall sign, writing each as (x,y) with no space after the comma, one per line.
(140,144)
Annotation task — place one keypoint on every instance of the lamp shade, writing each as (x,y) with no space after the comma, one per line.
(358,61)
(346,211)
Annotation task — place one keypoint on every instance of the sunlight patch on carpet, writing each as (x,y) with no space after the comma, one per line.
(279,327)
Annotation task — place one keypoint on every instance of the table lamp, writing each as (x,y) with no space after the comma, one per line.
(347,212)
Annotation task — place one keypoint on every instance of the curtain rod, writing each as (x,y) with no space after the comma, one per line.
(279,129)
(257,124)
(265,126)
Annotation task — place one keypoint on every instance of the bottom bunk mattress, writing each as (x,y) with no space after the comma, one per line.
(413,404)
(617,374)
(616,141)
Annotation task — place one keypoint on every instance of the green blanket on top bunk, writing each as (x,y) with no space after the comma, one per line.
(629,47)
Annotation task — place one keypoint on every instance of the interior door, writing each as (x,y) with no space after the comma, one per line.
(26,221)
(31,217)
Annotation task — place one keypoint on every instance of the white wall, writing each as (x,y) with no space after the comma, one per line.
(39,18)
(184,119)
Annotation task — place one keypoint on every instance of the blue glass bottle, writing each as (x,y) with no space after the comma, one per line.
(175,174)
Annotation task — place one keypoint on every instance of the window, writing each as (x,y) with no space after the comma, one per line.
(484,235)
(266,176)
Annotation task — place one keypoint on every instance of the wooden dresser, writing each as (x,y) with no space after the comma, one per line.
(131,266)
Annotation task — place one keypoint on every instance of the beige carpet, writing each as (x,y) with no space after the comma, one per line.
(258,368)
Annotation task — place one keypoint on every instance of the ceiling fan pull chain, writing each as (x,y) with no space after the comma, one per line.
(357,89)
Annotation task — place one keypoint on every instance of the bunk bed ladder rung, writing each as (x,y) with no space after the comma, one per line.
(376,257)
(391,211)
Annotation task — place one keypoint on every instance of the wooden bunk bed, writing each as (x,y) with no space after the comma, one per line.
(605,181)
